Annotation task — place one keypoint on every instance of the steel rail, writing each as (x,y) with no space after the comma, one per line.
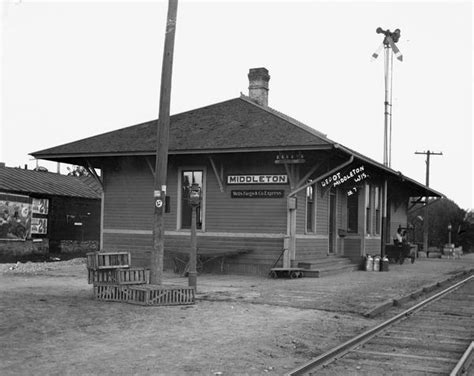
(464,362)
(335,352)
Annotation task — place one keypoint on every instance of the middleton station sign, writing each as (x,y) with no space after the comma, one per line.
(257,179)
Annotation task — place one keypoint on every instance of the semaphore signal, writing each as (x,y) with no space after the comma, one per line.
(390,48)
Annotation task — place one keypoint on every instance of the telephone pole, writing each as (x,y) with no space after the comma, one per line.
(425,215)
(162,142)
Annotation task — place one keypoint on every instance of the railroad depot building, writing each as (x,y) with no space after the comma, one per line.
(43,212)
(269,183)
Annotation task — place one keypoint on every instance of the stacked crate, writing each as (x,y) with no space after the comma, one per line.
(114,280)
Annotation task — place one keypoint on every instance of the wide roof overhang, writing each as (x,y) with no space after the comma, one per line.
(234,126)
(95,160)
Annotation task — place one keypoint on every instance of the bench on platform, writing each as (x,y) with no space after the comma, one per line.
(203,257)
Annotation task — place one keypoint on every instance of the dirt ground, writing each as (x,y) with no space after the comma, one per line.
(240,325)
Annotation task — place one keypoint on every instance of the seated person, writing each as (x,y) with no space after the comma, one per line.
(400,241)
(399,237)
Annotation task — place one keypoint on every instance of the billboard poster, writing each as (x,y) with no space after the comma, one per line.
(15,217)
(39,226)
(40,206)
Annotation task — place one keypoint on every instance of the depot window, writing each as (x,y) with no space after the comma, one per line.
(377,210)
(310,213)
(368,209)
(188,178)
(353,212)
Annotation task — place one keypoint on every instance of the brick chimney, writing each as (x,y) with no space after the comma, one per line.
(258,85)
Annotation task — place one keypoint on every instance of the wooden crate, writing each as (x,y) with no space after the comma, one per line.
(103,276)
(108,260)
(112,293)
(132,276)
(159,295)
(128,276)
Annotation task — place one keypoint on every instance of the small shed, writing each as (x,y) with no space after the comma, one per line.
(43,212)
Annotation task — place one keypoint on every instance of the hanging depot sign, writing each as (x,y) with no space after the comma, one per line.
(257,179)
(349,178)
(39,226)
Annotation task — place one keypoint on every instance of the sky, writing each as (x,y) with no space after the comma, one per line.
(71,70)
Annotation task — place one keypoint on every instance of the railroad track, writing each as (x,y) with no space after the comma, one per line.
(436,337)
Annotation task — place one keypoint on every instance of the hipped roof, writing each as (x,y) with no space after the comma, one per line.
(236,125)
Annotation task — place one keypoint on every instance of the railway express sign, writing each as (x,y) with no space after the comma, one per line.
(257,179)
(257,193)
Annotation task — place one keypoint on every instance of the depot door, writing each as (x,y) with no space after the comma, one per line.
(332,221)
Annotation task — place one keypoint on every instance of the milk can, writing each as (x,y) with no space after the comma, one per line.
(376,263)
(369,263)
(384,264)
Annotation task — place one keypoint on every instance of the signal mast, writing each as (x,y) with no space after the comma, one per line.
(390,48)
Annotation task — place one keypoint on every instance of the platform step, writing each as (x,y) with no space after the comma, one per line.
(319,273)
(325,262)
(327,267)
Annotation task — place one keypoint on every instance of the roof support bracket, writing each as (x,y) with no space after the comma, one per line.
(290,173)
(426,203)
(311,172)
(418,201)
(219,175)
(324,176)
(91,171)
(152,169)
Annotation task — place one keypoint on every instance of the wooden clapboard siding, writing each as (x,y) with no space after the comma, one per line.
(373,216)
(254,215)
(341,203)
(352,248)
(341,218)
(129,203)
(245,215)
(262,252)
(171,217)
(311,249)
(129,199)
(322,213)
(128,196)
(139,246)
(372,246)
(398,217)
(128,217)
(301,212)
(340,246)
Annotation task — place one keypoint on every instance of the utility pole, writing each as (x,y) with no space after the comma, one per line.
(425,215)
(162,142)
